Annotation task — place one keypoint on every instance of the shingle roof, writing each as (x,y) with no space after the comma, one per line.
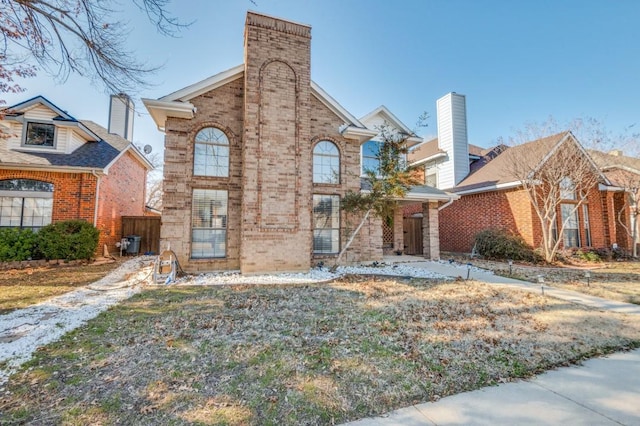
(90,155)
(431,148)
(490,172)
(619,169)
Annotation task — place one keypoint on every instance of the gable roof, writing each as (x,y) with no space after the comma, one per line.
(100,152)
(621,170)
(492,171)
(382,111)
(176,104)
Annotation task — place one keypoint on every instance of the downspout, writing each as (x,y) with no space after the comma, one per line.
(447,204)
(95,208)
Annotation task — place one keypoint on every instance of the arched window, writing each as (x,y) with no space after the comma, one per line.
(370,160)
(211,153)
(326,163)
(25,203)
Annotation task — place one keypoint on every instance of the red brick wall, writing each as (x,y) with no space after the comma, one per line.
(73,193)
(461,220)
(510,210)
(122,193)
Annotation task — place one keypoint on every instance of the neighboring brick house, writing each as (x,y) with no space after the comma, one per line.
(624,174)
(54,167)
(492,197)
(258,157)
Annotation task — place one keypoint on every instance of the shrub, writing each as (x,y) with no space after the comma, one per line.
(70,240)
(495,243)
(17,244)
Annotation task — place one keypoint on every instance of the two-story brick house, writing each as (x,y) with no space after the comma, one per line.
(54,167)
(258,157)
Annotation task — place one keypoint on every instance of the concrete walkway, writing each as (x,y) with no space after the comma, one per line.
(603,391)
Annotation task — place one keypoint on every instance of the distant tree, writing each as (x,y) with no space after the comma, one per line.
(386,185)
(83,37)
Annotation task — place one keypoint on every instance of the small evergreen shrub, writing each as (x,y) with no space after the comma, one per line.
(17,244)
(495,243)
(70,240)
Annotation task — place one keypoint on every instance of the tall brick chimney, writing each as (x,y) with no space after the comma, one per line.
(276,200)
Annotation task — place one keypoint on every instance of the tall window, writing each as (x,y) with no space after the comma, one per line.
(40,134)
(567,189)
(326,163)
(209,223)
(370,156)
(25,203)
(571,228)
(326,223)
(211,153)
(585,221)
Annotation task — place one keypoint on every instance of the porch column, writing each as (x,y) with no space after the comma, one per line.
(398,229)
(430,231)
(611,219)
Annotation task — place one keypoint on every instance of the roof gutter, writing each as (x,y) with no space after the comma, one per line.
(430,158)
(47,168)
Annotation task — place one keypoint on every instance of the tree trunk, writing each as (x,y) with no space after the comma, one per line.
(346,246)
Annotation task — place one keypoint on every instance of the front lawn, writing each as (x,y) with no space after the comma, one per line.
(610,280)
(20,288)
(300,354)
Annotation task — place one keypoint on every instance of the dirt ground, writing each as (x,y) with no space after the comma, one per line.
(24,287)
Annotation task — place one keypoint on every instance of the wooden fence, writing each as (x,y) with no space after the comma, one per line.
(147,227)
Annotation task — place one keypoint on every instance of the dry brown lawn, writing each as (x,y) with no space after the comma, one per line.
(301,354)
(20,288)
(611,280)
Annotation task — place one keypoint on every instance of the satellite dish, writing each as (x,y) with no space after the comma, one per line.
(147,149)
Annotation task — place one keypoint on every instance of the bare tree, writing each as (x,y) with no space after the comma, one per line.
(551,170)
(385,186)
(75,36)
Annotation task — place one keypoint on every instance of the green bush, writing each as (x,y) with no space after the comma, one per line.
(495,243)
(17,244)
(70,240)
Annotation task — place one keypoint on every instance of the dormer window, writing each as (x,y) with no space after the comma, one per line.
(40,134)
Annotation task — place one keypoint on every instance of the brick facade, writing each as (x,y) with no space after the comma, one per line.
(74,196)
(272,121)
(512,210)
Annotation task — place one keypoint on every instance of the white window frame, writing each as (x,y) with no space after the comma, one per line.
(209,225)
(333,228)
(217,145)
(318,175)
(10,200)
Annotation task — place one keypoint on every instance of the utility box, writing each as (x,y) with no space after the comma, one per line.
(134,244)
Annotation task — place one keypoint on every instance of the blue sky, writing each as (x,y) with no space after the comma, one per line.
(516,61)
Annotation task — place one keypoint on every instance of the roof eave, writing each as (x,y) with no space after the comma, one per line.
(358,133)
(161,110)
(489,188)
(429,158)
(51,168)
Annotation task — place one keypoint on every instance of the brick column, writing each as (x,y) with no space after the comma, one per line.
(398,229)
(430,231)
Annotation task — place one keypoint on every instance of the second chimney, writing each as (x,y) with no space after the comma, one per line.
(121,116)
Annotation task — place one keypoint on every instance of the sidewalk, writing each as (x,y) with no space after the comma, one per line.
(603,391)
